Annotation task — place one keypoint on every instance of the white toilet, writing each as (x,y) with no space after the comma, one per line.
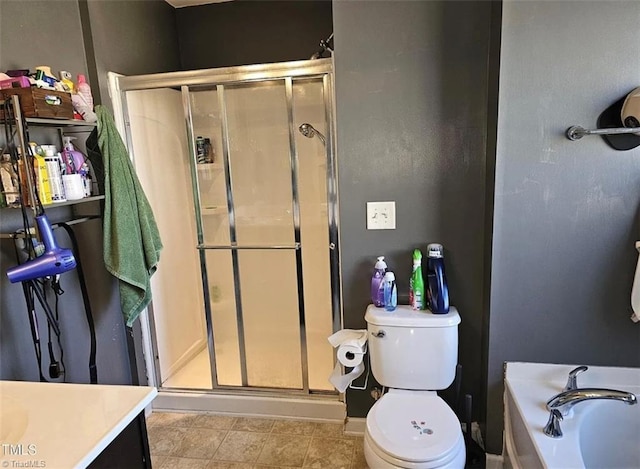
(413,353)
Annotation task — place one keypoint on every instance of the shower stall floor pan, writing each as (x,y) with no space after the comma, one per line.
(325,410)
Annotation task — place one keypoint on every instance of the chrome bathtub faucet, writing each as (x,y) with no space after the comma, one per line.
(572,381)
(560,404)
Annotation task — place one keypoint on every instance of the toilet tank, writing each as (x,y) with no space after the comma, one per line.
(412,349)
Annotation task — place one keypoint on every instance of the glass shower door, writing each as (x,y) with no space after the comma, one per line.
(264,233)
(261,181)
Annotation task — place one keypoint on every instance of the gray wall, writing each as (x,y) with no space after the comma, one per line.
(17,357)
(251,32)
(566,213)
(411,95)
(132,37)
(27,30)
(138,48)
(42,22)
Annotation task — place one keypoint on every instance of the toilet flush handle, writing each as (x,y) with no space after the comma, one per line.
(379,334)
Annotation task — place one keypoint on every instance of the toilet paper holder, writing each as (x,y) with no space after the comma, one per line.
(365,386)
(351,353)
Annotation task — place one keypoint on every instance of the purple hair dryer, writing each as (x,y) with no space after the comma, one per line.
(55,260)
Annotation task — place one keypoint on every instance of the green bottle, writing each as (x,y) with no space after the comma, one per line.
(416,284)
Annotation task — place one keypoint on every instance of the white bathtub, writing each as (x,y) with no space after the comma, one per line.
(600,433)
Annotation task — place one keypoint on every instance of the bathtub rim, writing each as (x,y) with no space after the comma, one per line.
(532,384)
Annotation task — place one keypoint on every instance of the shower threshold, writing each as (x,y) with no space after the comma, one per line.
(319,407)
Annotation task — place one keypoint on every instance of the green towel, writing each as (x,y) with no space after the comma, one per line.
(131,239)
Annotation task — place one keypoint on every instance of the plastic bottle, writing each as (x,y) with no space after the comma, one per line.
(377,297)
(65,77)
(209,150)
(390,291)
(86,178)
(73,159)
(55,175)
(201,156)
(438,292)
(83,100)
(42,178)
(75,163)
(416,284)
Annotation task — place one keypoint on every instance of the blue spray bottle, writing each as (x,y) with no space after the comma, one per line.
(438,292)
(390,291)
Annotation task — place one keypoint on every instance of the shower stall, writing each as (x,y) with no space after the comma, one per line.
(238,164)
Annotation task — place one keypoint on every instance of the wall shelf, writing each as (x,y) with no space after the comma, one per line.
(54,123)
(59,122)
(22,125)
(93,198)
(69,202)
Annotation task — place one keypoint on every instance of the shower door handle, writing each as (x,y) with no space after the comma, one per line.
(234,246)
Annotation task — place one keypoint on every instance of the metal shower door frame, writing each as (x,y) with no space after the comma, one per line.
(217,79)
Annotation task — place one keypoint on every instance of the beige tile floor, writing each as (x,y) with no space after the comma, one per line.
(210,441)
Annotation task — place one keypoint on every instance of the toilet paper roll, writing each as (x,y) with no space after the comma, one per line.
(351,346)
(348,337)
(350,355)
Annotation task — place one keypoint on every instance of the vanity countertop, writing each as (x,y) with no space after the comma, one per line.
(60,425)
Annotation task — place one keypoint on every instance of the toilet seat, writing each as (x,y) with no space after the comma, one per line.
(414,428)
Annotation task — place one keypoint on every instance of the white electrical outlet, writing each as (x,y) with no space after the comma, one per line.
(381,215)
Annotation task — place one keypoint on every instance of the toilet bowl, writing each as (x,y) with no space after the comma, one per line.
(413,430)
(413,354)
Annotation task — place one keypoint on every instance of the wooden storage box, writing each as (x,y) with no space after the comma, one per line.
(38,102)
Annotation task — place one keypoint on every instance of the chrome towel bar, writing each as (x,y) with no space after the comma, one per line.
(576,132)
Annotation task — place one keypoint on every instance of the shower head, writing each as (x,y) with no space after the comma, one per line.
(325,45)
(309,131)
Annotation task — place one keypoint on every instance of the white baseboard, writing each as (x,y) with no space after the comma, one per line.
(355,426)
(251,406)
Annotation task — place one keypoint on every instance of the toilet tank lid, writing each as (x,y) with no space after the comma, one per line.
(405,316)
